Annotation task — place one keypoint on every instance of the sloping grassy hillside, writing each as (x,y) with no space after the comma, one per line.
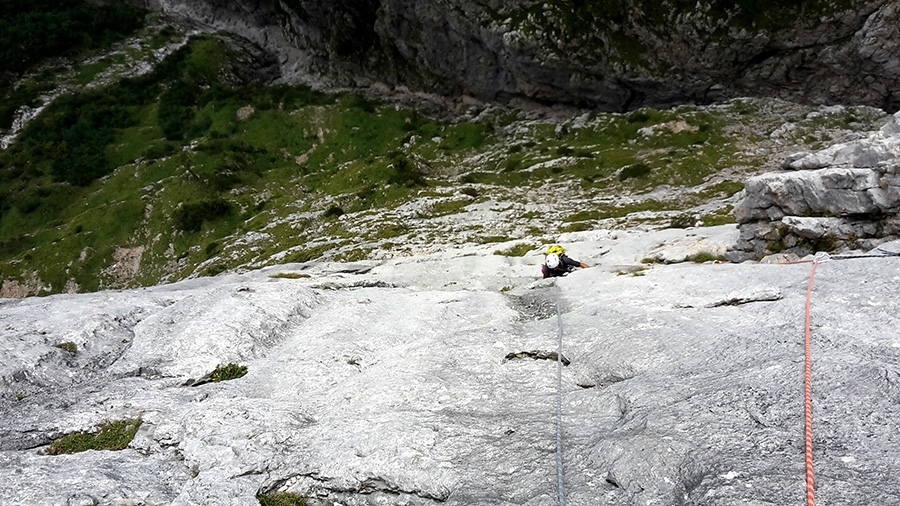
(195,168)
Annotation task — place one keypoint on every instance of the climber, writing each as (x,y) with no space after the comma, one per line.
(556,263)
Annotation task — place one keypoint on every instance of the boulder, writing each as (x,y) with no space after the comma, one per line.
(846,196)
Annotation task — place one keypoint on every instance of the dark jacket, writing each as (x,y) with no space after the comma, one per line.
(566,265)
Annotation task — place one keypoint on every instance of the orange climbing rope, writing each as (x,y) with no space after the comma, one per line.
(810,492)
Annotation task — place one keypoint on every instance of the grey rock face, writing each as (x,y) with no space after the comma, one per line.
(847,195)
(607,56)
(684,385)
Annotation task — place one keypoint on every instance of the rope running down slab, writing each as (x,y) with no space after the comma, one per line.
(810,481)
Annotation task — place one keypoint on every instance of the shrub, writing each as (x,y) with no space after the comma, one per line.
(228,372)
(405,172)
(176,113)
(638,117)
(190,217)
(111,436)
(683,221)
(634,171)
(512,163)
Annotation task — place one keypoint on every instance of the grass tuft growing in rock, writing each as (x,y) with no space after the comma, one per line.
(290,275)
(704,256)
(111,436)
(68,346)
(519,250)
(282,499)
(228,372)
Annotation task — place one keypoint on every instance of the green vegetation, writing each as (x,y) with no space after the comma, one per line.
(518,250)
(191,216)
(34,30)
(110,436)
(281,499)
(683,221)
(704,256)
(67,346)
(228,372)
(634,171)
(189,160)
(722,216)
(290,275)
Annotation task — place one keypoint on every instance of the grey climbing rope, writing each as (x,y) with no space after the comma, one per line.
(559,365)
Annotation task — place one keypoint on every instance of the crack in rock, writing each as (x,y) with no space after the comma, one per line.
(537,355)
(367,486)
(738,299)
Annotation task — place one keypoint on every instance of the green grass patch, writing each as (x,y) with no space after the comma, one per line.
(281,499)
(724,189)
(518,250)
(390,231)
(583,216)
(111,436)
(448,207)
(228,372)
(353,255)
(580,226)
(306,255)
(290,275)
(703,257)
(88,72)
(722,216)
(67,346)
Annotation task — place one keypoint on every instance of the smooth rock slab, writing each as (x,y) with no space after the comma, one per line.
(399,393)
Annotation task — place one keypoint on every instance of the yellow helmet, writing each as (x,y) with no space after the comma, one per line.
(556,249)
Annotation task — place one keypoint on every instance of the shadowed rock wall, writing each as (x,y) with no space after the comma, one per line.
(608,55)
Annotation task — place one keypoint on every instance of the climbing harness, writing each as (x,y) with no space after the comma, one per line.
(559,365)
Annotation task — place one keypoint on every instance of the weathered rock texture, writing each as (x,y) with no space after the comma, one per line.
(685,384)
(845,196)
(613,56)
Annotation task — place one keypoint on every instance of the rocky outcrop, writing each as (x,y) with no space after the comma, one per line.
(612,57)
(844,197)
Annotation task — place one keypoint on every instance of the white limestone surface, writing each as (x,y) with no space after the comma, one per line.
(389,383)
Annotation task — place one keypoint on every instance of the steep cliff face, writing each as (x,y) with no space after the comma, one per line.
(610,55)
